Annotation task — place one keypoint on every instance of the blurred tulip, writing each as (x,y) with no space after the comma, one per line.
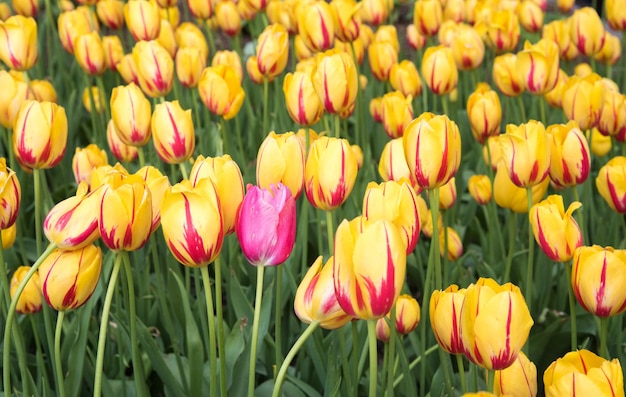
(226,176)
(302,52)
(89,53)
(447,194)
(506,76)
(18,42)
(508,195)
(616,14)
(173,132)
(447,31)
(254,74)
(405,78)
(375,12)
(13,94)
(530,16)
(335,80)
(583,373)
(570,160)
(315,25)
(518,380)
(40,134)
(131,112)
(5,11)
(495,323)
(330,173)
(188,35)
(392,165)
(69,278)
(121,151)
(72,24)
(600,144)
(347,19)
(432,147)
(382,56)
(303,103)
(587,31)
(468,49)
(227,18)
(526,153)
(98,99)
(230,58)
(167,38)
(142,19)
(284,13)
(454,244)
(503,31)
(583,99)
(221,91)
(26,8)
(10,195)
(158,184)
(29,301)
(315,298)
(414,38)
(558,31)
(170,15)
(266,225)
(538,64)
(454,10)
(192,222)
(106,173)
(111,13)
(427,17)
(8,236)
(612,116)
(376,109)
(272,50)
(369,267)
(127,68)
(189,66)
(611,183)
(113,51)
(439,70)
(85,160)
(565,6)
(554,97)
(484,112)
(480,189)
(611,50)
(555,230)
(201,9)
(492,152)
(155,68)
(281,159)
(396,113)
(445,318)
(406,320)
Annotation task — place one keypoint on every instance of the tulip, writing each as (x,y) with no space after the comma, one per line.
(526,153)
(226,176)
(315,297)
(447,194)
(98,99)
(503,31)
(188,35)
(554,97)
(392,165)
(382,56)
(107,173)
(189,66)
(69,278)
(201,9)
(142,19)
(13,94)
(173,132)
(10,195)
(467,48)
(266,225)
(439,70)
(555,230)
(369,267)
(505,75)
(495,323)
(508,195)
(125,214)
(454,10)
(539,65)
(330,173)
(230,58)
(192,222)
(89,53)
(583,373)
(227,18)
(558,31)
(395,202)
(221,91)
(446,33)
(484,112)
(396,113)
(611,50)
(18,42)
(8,236)
(518,380)
(587,31)
(480,189)
(272,50)
(255,75)
(376,109)
(121,151)
(29,301)
(492,152)
(445,318)
(414,38)
(85,160)
(26,8)
(303,104)
(583,99)
(454,244)
(73,24)
(432,147)
(375,12)
(565,6)
(530,16)
(40,134)
(615,14)
(570,160)
(111,13)
(335,80)
(611,183)
(131,112)
(113,51)
(281,159)
(128,69)
(5,11)
(406,320)
(169,15)
(155,68)
(347,19)
(612,116)
(405,78)
(158,184)
(427,17)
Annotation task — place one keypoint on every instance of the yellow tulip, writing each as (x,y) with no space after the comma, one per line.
(121,151)
(382,56)
(505,75)
(335,80)
(530,16)
(555,230)
(27,8)
(582,99)
(414,38)
(89,53)
(155,68)
(467,48)
(526,153)
(131,112)
(281,159)
(157,184)
(569,152)
(558,31)
(303,103)
(10,195)
(142,19)
(406,320)
(30,301)
(18,42)
(188,35)
(72,24)
(445,318)
(612,117)
(518,380)
(227,17)
(113,51)
(396,113)
(405,78)
(539,66)
(439,70)
(447,194)
(173,132)
(272,50)
(189,66)
(111,13)
(480,189)
(375,12)
(611,183)
(85,160)
(587,31)
(392,165)
(347,19)
(508,195)
(427,17)
(201,9)
(615,14)
(127,68)
(484,112)
(221,91)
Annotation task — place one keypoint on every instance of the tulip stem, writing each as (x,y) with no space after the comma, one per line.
(490,376)
(209,35)
(522,109)
(337,125)
(461,367)
(105,100)
(604,329)
(355,357)
(542,109)
(211,318)
(265,105)
(255,329)
(509,257)
(279,314)
(344,361)
(434,209)
(292,353)
(183,169)
(142,156)
(37,187)
(58,367)
(221,343)
(579,214)
(417,360)
(6,354)
(330,231)
(531,252)
(104,322)
(392,352)
(371,336)
(572,306)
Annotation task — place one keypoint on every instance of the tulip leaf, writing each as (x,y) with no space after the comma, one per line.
(305,388)
(76,338)
(288,390)
(234,347)
(242,306)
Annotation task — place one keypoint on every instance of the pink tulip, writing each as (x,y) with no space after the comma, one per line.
(266,225)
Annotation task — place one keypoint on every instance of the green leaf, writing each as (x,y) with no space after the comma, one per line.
(234,347)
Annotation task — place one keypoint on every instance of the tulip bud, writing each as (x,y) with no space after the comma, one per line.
(93,94)
(131,112)
(369,267)
(192,223)
(127,69)
(189,66)
(111,13)
(414,38)
(173,132)
(396,113)
(69,278)
(272,50)
(495,323)
(530,16)
(201,9)
(155,68)
(392,165)
(445,318)
(505,75)
(230,58)
(267,237)
(406,320)
(336,81)
(503,30)
(303,104)
(5,11)
(583,372)
(518,380)
(221,91)
(615,14)
(554,97)
(281,159)
(315,297)
(404,77)
(347,19)
(18,42)
(587,31)
(558,31)
(611,50)
(107,173)
(157,184)
(565,6)
(439,70)
(121,151)
(611,183)
(227,18)
(555,230)
(382,56)
(583,99)
(29,301)
(226,176)
(13,94)
(539,66)
(167,39)
(85,160)
(330,173)
(315,25)
(10,195)
(73,24)
(484,112)
(526,153)
(432,146)
(447,194)
(113,51)
(142,19)
(612,116)
(188,35)
(376,109)
(125,214)
(40,134)
(450,244)
(480,189)
(375,12)
(467,48)
(427,17)
(508,195)
(26,8)
(569,152)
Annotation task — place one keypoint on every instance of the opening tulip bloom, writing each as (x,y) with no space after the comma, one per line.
(369,267)
(555,230)
(611,183)
(303,103)
(439,70)
(392,165)
(508,195)
(85,160)
(272,50)
(173,132)
(335,80)
(266,225)
(142,19)
(518,380)
(221,91)
(526,153)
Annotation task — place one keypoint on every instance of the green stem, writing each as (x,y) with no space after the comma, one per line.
(221,342)
(344,361)
(491,377)
(355,356)
(604,327)
(531,250)
(142,156)
(209,35)
(337,125)
(211,318)
(371,336)
(330,232)
(292,353)
(542,110)
(522,109)
(509,257)
(444,359)
(444,105)
(279,314)
(104,323)
(424,315)
(265,106)
(38,209)
(183,169)
(385,366)
(579,214)
(434,209)
(224,135)
(415,362)
(305,221)
(392,352)
(102,91)
(58,367)
(572,306)
(461,366)
(255,329)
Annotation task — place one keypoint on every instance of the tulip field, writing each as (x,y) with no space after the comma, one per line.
(309,198)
